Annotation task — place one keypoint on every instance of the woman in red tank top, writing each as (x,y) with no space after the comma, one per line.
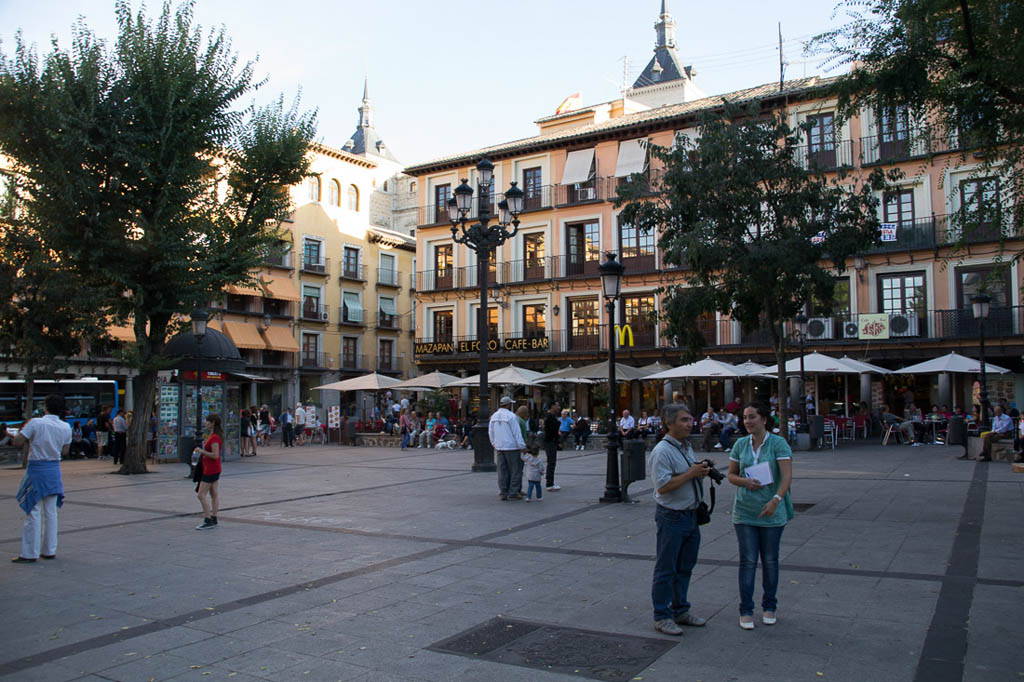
(210,458)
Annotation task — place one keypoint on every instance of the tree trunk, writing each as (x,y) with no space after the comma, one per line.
(142,413)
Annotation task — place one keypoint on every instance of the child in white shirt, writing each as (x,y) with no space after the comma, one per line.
(534,474)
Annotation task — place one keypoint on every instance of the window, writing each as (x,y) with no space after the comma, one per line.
(386,354)
(350,263)
(442,193)
(314,188)
(492,322)
(532,188)
(583,248)
(335,193)
(638,313)
(533,320)
(443,326)
(584,324)
(972,280)
(349,352)
(903,293)
(352,308)
(387,316)
(821,142)
(311,302)
(443,261)
(637,248)
(388,270)
(385,185)
(899,207)
(312,258)
(533,255)
(412,188)
(353,198)
(893,131)
(311,350)
(840,301)
(979,202)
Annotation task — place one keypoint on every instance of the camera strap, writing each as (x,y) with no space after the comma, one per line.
(697,489)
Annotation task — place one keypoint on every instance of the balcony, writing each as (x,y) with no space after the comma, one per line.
(387,365)
(273,359)
(387,322)
(354,272)
(314,312)
(538,199)
(829,156)
(636,261)
(388,278)
(352,362)
(942,230)
(278,259)
(436,280)
(351,317)
(311,359)
(315,265)
(591,191)
(913,234)
(894,147)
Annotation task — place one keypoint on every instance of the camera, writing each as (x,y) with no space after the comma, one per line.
(715,475)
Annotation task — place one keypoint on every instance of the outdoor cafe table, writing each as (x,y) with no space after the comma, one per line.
(935,427)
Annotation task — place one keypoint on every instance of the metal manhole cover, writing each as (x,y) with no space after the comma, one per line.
(571,651)
(802,506)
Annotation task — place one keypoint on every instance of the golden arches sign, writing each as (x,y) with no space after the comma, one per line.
(625,332)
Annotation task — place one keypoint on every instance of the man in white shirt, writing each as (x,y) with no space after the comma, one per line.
(300,424)
(48,438)
(120,437)
(627,425)
(507,440)
(1002,427)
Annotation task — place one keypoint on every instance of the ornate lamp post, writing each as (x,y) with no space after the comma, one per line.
(980,304)
(199,320)
(801,333)
(611,285)
(481,237)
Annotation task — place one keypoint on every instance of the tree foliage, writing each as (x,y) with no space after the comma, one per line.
(958,65)
(147,174)
(756,233)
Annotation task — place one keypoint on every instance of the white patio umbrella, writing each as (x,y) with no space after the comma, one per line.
(367,382)
(952,362)
(707,368)
(816,363)
(864,367)
(752,367)
(427,382)
(654,368)
(599,372)
(562,376)
(506,376)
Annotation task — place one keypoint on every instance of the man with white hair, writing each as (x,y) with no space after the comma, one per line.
(300,424)
(507,440)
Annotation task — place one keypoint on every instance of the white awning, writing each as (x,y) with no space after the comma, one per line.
(632,157)
(355,308)
(387,306)
(577,166)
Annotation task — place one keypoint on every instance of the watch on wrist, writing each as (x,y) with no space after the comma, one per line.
(776,498)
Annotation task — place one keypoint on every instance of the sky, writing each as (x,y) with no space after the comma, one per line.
(452,77)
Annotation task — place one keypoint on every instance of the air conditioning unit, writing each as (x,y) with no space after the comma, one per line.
(903,324)
(819,328)
(851,330)
(323,316)
(586,194)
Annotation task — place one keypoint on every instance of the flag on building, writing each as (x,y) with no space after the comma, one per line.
(573,101)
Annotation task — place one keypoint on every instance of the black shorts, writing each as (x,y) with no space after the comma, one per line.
(211,478)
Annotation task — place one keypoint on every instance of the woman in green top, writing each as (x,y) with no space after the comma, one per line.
(760,512)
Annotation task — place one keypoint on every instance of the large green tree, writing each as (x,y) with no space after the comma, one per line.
(758,232)
(957,67)
(148,174)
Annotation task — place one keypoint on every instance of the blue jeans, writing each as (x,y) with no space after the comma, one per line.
(758,541)
(406,439)
(534,485)
(678,544)
(726,435)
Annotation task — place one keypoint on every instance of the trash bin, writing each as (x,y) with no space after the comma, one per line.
(350,431)
(632,464)
(816,430)
(186,444)
(956,432)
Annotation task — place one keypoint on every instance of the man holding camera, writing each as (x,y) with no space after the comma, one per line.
(679,490)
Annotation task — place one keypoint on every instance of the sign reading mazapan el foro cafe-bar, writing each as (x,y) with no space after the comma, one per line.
(521,344)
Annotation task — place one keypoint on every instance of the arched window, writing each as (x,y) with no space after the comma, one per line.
(353,198)
(314,188)
(412,188)
(385,185)
(335,193)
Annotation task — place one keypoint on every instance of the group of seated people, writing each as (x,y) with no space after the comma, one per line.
(723,424)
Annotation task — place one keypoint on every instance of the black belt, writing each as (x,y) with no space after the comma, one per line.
(676,511)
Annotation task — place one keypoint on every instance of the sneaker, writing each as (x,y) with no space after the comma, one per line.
(690,619)
(768,618)
(214,519)
(916,445)
(718,446)
(554,487)
(527,499)
(667,627)
(747,622)
(502,497)
(206,525)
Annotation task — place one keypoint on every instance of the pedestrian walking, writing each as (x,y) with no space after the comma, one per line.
(405,427)
(678,492)
(300,424)
(208,472)
(120,425)
(552,425)
(534,475)
(507,440)
(761,467)
(103,429)
(42,490)
(287,432)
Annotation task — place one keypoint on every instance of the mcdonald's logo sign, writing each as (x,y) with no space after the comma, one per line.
(625,332)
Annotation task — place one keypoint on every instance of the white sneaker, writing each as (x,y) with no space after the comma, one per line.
(718,446)
(554,487)
(747,622)
(768,618)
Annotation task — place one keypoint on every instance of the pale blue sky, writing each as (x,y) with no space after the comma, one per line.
(450,77)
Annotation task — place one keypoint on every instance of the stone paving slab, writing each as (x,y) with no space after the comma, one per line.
(338,563)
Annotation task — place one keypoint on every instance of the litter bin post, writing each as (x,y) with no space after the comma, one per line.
(632,464)
(956,433)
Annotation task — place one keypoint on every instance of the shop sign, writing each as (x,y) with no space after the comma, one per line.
(508,345)
(190,375)
(625,333)
(888,232)
(873,326)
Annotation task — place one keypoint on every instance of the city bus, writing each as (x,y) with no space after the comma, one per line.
(82,398)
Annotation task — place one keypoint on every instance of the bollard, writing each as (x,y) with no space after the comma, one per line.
(632,464)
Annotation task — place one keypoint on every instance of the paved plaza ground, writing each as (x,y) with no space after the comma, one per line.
(358,563)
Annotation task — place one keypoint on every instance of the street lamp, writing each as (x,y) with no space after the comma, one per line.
(199,320)
(611,284)
(482,237)
(980,304)
(801,333)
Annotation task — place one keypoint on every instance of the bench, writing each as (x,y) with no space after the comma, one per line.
(1002,450)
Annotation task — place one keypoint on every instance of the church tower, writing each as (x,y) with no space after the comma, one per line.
(365,141)
(664,80)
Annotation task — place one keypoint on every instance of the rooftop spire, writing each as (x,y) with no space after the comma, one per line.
(366,110)
(665,29)
(365,141)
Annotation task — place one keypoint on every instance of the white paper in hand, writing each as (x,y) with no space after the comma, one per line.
(762,473)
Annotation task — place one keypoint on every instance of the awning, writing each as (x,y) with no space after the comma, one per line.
(248,377)
(387,306)
(280,338)
(632,157)
(577,166)
(355,308)
(245,335)
(245,290)
(281,288)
